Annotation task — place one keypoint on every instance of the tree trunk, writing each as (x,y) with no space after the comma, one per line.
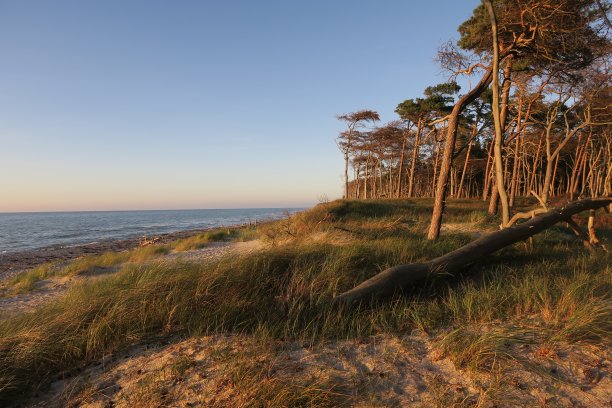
(415,156)
(400,170)
(547,179)
(435,169)
(487,176)
(554,175)
(365,181)
(536,161)
(515,169)
(499,126)
(346,182)
(449,149)
(467,159)
(494,201)
(404,277)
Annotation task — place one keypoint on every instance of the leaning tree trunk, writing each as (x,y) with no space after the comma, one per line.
(449,150)
(404,277)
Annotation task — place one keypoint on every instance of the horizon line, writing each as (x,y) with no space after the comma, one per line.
(155,209)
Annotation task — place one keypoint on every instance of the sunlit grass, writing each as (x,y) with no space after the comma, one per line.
(27,280)
(220,234)
(284,290)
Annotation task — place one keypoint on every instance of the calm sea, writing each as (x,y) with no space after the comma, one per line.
(22,231)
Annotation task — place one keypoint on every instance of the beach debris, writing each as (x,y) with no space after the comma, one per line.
(144,241)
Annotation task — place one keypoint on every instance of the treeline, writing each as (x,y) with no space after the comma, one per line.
(537,121)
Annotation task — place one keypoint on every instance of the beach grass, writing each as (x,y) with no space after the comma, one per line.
(549,291)
(241,234)
(28,280)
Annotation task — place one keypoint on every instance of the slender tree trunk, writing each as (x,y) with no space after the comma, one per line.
(380,179)
(575,167)
(373,181)
(513,182)
(584,172)
(578,166)
(499,134)
(365,181)
(547,178)
(536,162)
(346,179)
(453,177)
(554,175)
(415,156)
(467,159)
(435,169)
(400,171)
(357,182)
(487,177)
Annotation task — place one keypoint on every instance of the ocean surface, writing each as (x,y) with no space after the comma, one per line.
(23,231)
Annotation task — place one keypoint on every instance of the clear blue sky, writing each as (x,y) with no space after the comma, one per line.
(199,104)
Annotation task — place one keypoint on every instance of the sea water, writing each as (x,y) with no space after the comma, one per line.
(23,231)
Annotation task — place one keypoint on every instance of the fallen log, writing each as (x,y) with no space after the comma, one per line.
(403,277)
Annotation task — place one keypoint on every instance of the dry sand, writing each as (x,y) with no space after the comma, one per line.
(380,371)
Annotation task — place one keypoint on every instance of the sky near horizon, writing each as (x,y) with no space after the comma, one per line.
(109,105)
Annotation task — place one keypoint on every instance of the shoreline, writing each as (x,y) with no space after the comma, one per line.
(12,263)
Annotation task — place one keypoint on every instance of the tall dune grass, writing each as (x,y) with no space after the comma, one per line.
(285,290)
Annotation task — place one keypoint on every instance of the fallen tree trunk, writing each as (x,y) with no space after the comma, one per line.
(402,277)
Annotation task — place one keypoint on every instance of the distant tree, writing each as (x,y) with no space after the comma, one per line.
(346,140)
(418,112)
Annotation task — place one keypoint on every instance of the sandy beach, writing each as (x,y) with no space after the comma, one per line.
(11,263)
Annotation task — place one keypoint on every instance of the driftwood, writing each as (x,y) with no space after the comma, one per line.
(403,277)
(146,242)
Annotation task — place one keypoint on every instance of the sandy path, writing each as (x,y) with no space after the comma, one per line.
(12,263)
(379,371)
